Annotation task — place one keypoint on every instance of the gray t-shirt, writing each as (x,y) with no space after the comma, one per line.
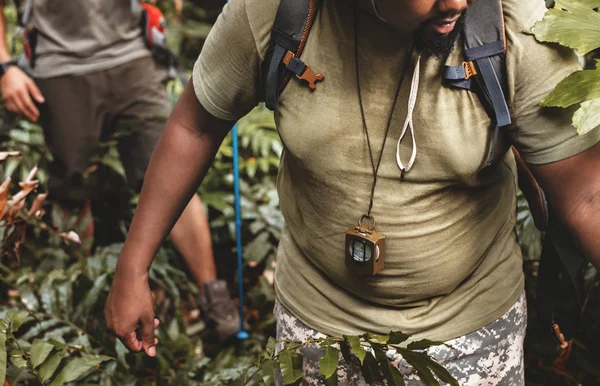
(77,37)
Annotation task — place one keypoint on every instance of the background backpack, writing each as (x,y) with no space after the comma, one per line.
(483,72)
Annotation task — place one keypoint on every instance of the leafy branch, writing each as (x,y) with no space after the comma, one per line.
(373,352)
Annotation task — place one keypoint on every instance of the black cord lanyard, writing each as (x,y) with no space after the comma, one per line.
(362,110)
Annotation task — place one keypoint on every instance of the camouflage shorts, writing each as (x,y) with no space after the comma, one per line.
(491,356)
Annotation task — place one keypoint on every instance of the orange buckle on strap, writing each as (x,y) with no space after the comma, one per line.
(470,69)
(309,75)
(561,338)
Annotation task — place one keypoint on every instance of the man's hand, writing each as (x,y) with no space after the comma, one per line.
(17,91)
(129,313)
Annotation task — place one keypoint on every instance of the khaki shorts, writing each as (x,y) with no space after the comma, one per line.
(128,102)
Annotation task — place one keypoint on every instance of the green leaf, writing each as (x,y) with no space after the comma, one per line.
(17,318)
(17,359)
(397,376)
(419,362)
(40,351)
(587,117)
(370,369)
(291,366)
(77,367)
(329,363)
(379,338)
(384,363)
(271,344)
(3,355)
(423,344)
(357,349)
(397,337)
(572,23)
(48,368)
(345,349)
(441,372)
(268,372)
(578,87)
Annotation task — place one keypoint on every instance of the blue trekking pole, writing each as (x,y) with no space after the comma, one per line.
(238,228)
(243,334)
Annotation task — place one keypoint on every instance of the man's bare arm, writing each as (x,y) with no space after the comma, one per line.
(573,189)
(17,87)
(182,157)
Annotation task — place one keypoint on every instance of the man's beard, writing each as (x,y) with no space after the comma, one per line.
(438,46)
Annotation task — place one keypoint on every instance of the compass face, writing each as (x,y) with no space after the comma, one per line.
(360,251)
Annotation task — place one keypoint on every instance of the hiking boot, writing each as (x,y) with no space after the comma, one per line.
(221,312)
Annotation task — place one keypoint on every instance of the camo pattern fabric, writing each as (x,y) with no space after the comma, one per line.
(490,356)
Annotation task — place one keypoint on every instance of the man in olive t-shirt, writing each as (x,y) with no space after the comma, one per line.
(453,264)
(94,76)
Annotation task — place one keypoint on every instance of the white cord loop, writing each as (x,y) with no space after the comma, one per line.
(377,12)
(408,123)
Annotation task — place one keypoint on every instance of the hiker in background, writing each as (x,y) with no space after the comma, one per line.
(91,74)
(384,167)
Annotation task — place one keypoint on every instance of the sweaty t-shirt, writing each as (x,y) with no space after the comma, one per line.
(77,37)
(453,263)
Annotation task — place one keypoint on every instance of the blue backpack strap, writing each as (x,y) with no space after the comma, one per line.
(289,33)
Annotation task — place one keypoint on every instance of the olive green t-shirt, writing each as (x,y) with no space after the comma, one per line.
(453,263)
(77,37)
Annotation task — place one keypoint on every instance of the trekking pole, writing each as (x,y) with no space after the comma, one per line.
(242,335)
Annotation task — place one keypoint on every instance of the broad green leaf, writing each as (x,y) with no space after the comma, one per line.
(423,344)
(397,337)
(3,355)
(587,117)
(77,367)
(270,348)
(48,368)
(419,362)
(345,350)
(441,372)
(17,359)
(370,369)
(291,366)
(572,23)
(384,364)
(17,318)
(578,87)
(332,381)
(397,376)
(379,338)
(329,363)
(268,372)
(357,349)
(40,351)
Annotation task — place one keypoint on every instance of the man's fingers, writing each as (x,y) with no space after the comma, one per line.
(20,108)
(147,330)
(35,92)
(31,111)
(131,342)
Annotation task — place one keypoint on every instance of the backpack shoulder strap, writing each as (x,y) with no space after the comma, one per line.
(484,70)
(290,31)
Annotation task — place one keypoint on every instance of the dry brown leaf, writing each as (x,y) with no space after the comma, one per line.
(12,210)
(5,154)
(31,174)
(270,276)
(71,236)
(15,257)
(4,196)
(26,188)
(178,6)
(36,207)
